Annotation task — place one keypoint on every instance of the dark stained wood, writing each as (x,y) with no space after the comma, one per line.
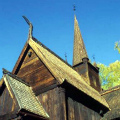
(86,69)
(20,59)
(38,91)
(8,106)
(28,117)
(54,102)
(2,87)
(78,110)
(82,69)
(79,106)
(34,72)
(94,78)
(62,97)
(9,116)
(25,115)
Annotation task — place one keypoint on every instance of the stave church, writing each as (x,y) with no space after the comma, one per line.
(42,86)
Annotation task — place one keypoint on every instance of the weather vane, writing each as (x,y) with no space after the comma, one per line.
(93,57)
(65,57)
(74,8)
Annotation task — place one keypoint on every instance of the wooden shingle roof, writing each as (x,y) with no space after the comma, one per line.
(112,97)
(62,71)
(24,96)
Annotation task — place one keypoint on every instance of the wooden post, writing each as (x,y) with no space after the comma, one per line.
(62,99)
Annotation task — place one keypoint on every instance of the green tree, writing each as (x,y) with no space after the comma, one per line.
(109,75)
(117,46)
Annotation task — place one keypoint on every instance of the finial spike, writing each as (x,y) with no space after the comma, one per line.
(30,27)
(65,57)
(93,57)
(74,8)
(94,63)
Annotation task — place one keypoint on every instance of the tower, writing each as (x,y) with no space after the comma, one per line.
(81,61)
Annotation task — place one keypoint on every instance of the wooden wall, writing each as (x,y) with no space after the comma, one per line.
(34,72)
(8,107)
(88,70)
(78,111)
(94,78)
(82,69)
(80,107)
(54,103)
(62,105)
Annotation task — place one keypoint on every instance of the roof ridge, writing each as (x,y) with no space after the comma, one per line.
(15,77)
(110,90)
(33,38)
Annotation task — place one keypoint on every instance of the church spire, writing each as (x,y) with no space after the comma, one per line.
(79,51)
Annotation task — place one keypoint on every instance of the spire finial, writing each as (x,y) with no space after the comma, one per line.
(65,57)
(94,63)
(74,8)
(30,27)
(93,57)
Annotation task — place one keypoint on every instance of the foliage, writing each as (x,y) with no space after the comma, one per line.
(110,75)
(117,46)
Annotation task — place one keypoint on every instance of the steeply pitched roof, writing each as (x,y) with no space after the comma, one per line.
(79,48)
(112,97)
(24,96)
(62,71)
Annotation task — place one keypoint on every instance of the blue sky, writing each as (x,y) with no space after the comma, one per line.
(53,22)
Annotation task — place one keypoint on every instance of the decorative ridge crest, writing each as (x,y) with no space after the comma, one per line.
(30,27)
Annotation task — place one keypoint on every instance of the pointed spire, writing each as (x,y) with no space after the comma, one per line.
(79,48)
(30,27)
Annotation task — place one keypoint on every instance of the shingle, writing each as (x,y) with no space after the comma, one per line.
(79,51)
(112,97)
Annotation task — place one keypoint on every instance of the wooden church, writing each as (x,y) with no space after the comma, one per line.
(42,86)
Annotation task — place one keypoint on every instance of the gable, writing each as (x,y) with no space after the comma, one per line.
(33,71)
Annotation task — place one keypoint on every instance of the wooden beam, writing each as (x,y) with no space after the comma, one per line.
(20,59)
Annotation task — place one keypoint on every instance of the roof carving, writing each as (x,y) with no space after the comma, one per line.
(30,27)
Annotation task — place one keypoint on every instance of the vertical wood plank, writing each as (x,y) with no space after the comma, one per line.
(62,98)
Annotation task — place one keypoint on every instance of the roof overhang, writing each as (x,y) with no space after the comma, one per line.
(86,100)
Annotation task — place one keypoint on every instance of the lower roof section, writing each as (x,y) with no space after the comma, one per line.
(112,97)
(24,96)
